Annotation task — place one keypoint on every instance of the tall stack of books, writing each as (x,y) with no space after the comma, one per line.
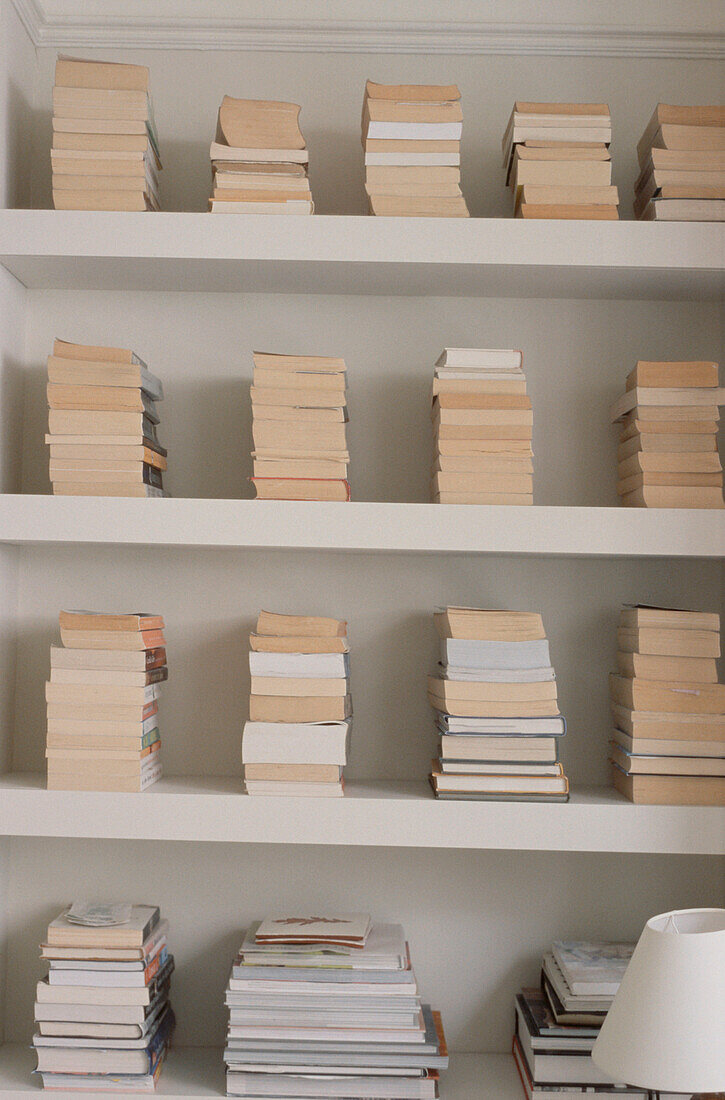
(102,700)
(557,1024)
(668,447)
(299,417)
(300,711)
(497,712)
(259,160)
(682,161)
(102,423)
(411,135)
(557,162)
(105,153)
(668,707)
(104,1021)
(328,1006)
(482,423)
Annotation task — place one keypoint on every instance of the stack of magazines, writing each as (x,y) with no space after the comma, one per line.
(328,1006)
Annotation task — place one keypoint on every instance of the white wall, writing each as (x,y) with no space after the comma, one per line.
(188,87)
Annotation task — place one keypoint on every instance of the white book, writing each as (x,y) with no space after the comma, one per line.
(98,676)
(415,131)
(498,675)
(89,995)
(520,727)
(119,979)
(350,927)
(480,654)
(384,950)
(316,665)
(296,742)
(470,374)
(290,788)
(484,358)
(592,969)
(413,159)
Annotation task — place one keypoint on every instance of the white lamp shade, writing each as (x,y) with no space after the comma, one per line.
(665,1030)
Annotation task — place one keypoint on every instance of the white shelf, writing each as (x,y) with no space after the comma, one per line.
(193,1072)
(385,813)
(495,257)
(362,525)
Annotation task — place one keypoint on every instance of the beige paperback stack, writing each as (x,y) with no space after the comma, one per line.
(667,452)
(105,153)
(557,162)
(495,698)
(102,701)
(482,424)
(300,711)
(682,161)
(411,135)
(299,417)
(102,423)
(259,160)
(104,1021)
(668,708)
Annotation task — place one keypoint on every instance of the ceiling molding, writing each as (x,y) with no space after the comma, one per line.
(372,36)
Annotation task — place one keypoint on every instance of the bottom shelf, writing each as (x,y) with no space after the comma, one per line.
(199,1072)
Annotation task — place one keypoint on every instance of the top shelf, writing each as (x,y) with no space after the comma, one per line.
(477,257)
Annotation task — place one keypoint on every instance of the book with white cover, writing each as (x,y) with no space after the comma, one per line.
(348,928)
(384,949)
(517,727)
(486,358)
(478,653)
(296,742)
(414,131)
(572,1002)
(316,665)
(593,969)
(276,1086)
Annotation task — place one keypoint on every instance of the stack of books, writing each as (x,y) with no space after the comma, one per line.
(102,423)
(557,1024)
(668,708)
(682,161)
(667,452)
(104,1021)
(411,135)
(557,162)
(102,700)
(497,712)
(300,711)
(329,1007)
(299,414)
(105,153)
(259,160)
(482,423)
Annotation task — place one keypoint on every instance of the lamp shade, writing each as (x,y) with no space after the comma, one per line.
(665,1030)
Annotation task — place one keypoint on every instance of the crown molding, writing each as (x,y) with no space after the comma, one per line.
(371,36)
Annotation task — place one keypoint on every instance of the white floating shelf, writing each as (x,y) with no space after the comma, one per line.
(386,813)
(495,257)
(193,1073)
(363,525)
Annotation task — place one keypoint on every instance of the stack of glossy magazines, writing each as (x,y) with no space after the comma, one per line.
(103,1014)
(328,1006)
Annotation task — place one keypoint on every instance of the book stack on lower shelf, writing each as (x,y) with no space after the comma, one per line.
(682,165)
(329,1007)
(557,162)
(103,1013)
(299,419)
(297,738)
(497,711)
(259,160)
(411,135)
(102,423)
(102,702)
(668,708)
(557,1024)
(667,453)
(105,153)
(483,424)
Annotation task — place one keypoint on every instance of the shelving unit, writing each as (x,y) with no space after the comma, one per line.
(481,888)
